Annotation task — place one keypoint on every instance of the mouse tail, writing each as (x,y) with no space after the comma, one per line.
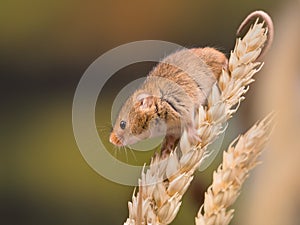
(270,26)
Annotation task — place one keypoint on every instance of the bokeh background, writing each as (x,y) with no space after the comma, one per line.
(45,47)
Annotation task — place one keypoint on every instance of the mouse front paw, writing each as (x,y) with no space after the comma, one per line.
(168,145)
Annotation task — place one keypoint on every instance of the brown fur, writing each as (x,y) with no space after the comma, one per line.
(215,59)
(171,94)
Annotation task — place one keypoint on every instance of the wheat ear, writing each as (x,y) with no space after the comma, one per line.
(231,174)
(167,179)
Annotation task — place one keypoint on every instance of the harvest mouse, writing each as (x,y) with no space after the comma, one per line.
(167,101)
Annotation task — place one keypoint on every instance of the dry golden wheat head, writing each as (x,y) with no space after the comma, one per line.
(230,175)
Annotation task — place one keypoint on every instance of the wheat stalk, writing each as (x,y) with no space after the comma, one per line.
(167,179)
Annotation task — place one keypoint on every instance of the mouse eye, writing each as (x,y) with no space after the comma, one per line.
(123,124)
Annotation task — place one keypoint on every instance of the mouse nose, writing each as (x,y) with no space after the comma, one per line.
(114,139)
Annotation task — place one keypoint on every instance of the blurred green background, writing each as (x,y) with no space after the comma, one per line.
(45,47)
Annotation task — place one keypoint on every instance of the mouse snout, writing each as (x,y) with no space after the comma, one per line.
(114,139)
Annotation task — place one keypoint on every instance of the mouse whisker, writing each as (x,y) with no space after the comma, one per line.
(132,152)
(125,150)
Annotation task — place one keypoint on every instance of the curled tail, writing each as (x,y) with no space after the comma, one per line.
(270,27)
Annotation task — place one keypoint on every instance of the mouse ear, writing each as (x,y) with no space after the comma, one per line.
(145,101)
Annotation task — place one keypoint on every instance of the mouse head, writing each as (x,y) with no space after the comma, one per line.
(137,120)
